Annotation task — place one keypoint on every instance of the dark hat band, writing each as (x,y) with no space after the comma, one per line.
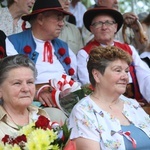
(45,5)
(90,14)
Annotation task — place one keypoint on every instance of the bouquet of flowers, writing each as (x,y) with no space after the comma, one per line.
(39,135)
(66,92)
(67,102)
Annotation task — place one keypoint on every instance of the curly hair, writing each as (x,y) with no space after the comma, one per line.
(101,57)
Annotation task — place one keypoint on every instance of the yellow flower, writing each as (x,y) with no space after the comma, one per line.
(39,135)
(1,146)
(15,147)
(26,130)
(40,139)
(9,147)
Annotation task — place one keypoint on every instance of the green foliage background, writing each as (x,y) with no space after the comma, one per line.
(136,6)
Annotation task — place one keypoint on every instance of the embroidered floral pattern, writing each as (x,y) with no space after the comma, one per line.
(90,120)
(113,144)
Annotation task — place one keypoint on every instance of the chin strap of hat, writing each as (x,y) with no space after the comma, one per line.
(24,26)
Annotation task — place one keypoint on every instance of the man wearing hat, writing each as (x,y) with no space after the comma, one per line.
(130,19)
(52,56)
(104,23)
(70,33)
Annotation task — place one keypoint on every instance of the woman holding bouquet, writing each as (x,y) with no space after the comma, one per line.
(17,91)
(107,120)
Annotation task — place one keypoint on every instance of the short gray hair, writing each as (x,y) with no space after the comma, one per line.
(11,62)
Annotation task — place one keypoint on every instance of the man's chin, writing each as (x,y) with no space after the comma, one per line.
(57,34)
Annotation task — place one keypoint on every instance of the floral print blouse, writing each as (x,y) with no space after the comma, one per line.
(90,121)
(6,22)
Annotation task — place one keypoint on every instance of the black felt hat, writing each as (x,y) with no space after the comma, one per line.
(90,14)
(45,5)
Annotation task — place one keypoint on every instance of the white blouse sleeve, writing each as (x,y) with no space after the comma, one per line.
(82,125)
(82,71)
(142,73)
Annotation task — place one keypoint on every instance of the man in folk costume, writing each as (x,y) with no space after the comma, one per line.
(104,23)
(53,58)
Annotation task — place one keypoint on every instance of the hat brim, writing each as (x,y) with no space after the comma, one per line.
(59,9)
(90,14)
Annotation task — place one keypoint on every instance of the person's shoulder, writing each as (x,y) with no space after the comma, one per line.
(59,41)
(70,24)
(83,102)
(145,54)
(19,34)
(72,27)
(81,5)
(35,109)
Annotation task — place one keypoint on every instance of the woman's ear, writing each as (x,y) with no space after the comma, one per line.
(96,75)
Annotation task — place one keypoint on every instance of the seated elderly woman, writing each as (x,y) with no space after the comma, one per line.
(106,119)
(17,91)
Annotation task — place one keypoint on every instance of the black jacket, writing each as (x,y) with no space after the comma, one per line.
(2,44)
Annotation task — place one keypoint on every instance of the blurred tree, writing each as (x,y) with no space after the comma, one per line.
(3,3)
(87,3)
(136,6)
